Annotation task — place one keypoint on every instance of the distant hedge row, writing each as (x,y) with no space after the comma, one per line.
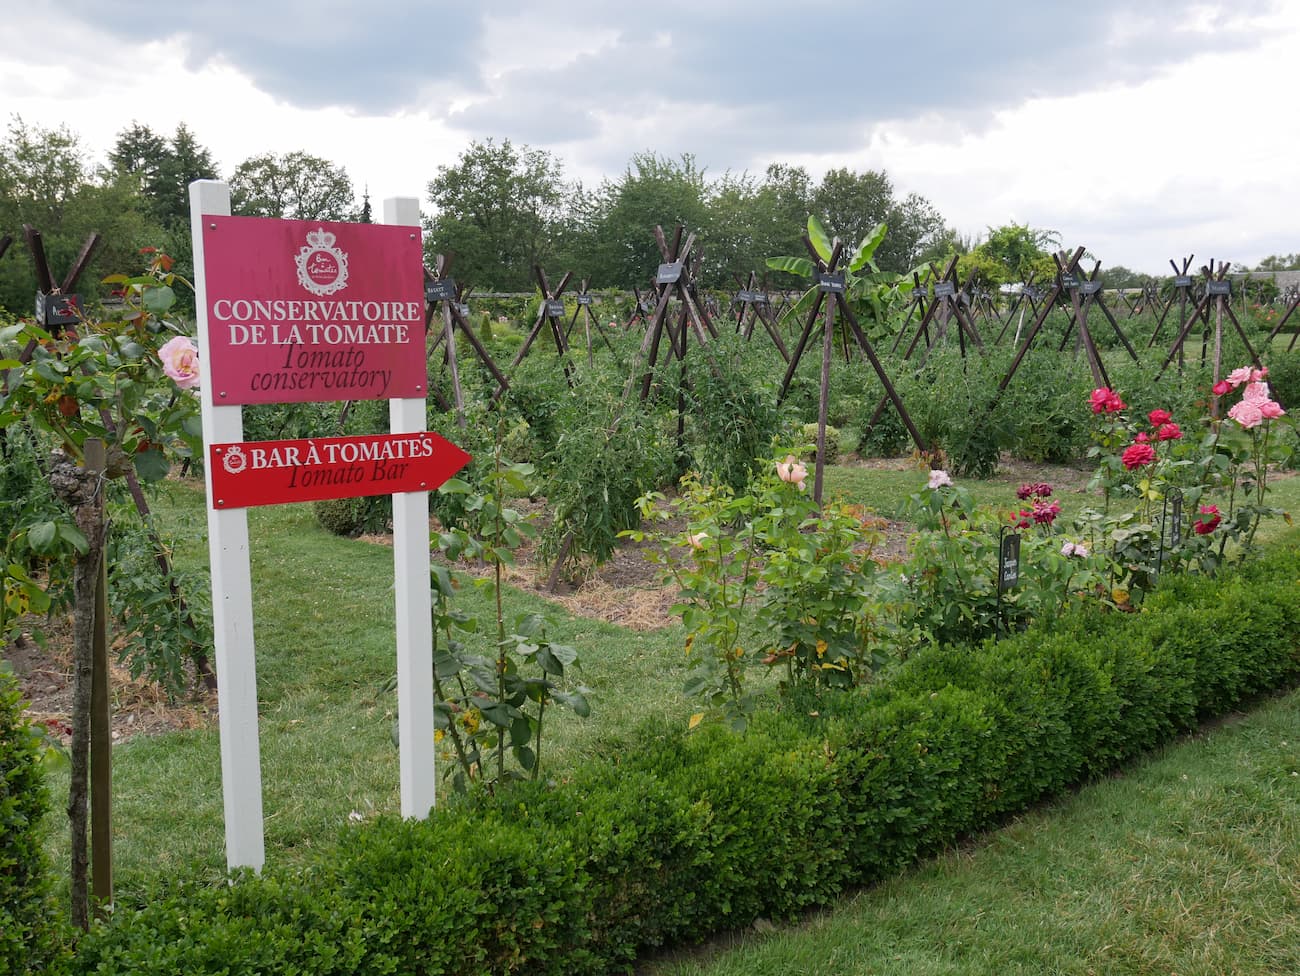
(684,836)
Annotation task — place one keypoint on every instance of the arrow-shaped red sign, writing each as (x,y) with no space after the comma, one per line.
(279,472)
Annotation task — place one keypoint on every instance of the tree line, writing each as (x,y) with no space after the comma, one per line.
(498,210)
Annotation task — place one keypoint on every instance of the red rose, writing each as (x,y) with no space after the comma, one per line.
(1104,400)
(1159,418)
(1209,520)
(1138,455)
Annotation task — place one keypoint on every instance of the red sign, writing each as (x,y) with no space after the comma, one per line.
(278,472)
(307,310)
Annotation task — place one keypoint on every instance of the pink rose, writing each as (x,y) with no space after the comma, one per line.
(1255,392)
(1258,374)
(1159,418)
(1221,388)
(1169,432)
(791,471)
(180,361)
(1138,455)
(1271,410)
(1247,413)
(939,479)
(1239,376)
(1074,549)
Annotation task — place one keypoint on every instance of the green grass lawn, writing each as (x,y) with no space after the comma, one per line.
(323,609)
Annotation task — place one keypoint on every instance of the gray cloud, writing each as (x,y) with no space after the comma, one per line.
(370,58)
(819,60)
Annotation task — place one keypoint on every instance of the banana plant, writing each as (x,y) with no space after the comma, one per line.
(876,294)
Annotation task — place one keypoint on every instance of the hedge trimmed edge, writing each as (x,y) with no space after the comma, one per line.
(691,835)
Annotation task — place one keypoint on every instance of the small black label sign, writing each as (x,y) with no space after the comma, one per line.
(555,308)
(584,299)
(1176,517)
(1069,281)
(668,273)
(944,289)
(53,311)
(1218,288)
(1090,287)
(831,281)
(440,291)
(1182,281)
(1009,562)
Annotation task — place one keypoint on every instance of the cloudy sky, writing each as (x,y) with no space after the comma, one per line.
(1142,131)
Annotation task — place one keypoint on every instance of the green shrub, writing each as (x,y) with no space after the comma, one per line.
(1284,373)
(809,433)
(354,516)
(30,938)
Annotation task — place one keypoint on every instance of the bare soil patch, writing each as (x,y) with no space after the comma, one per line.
(138,707)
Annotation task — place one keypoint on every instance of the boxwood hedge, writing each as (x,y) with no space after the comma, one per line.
(689,835)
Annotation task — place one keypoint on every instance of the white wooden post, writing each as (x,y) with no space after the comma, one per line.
(232,589)
(414,604)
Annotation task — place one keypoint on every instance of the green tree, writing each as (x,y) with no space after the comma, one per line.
(1118,276)
(1017,250)
(498,210)
(851,204)
(165,168)
(652,191)
(1280,262)
(917,234)
(47,182)
(735,238)
(294,186)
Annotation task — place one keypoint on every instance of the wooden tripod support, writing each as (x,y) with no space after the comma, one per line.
(831,286)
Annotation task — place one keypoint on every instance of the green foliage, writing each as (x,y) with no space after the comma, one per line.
(1015,251)
(608,455)
(734,416)
(691,835)
(766,578)
(164,169)
(1284,377)
(46,181)
(30,934)
(165,620)
(1040,410)
(653,191)
(488,706)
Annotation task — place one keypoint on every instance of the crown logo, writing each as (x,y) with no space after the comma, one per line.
(322,267)
(320,238)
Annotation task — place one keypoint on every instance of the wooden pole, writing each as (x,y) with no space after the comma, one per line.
(828,346)
(101,741)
